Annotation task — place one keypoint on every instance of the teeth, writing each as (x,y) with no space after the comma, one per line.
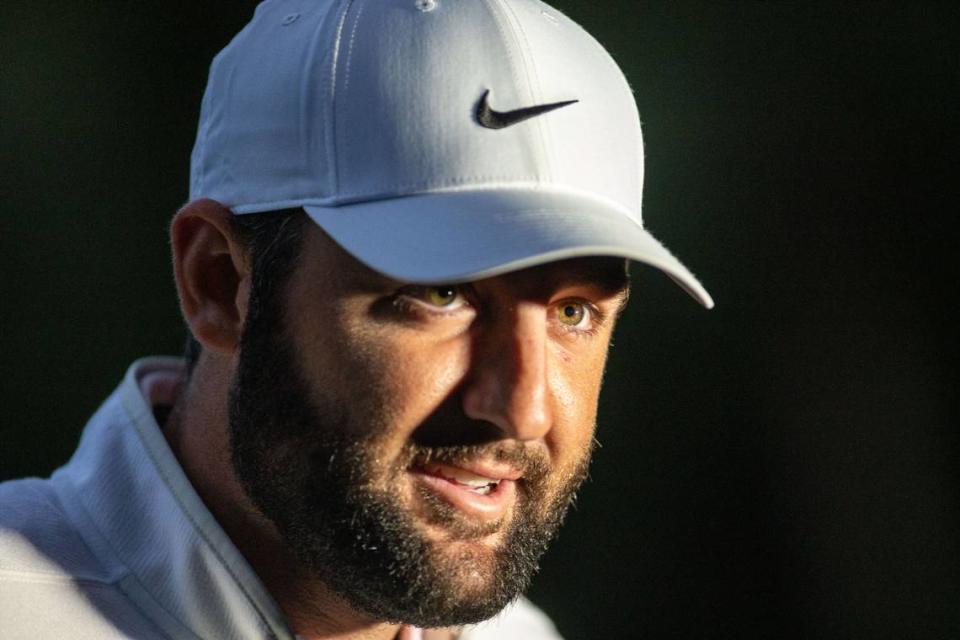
(480,484)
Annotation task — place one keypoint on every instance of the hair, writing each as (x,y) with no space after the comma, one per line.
(273,240)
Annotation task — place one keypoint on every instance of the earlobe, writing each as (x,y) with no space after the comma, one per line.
(211,270)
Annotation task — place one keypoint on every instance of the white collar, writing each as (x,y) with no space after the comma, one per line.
(139,513)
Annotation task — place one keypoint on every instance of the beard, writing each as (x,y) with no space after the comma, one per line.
(317,468)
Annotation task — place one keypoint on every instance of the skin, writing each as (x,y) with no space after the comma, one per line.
(498,351)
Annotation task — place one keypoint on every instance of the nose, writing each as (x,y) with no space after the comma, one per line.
(508,384)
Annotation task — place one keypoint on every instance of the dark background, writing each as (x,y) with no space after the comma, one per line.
(783,466)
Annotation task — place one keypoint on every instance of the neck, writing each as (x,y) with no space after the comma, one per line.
(197,432)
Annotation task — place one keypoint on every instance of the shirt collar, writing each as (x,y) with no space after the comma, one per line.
(137,510)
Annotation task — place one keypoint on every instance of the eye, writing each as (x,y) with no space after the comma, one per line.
(441,296)
(572,313)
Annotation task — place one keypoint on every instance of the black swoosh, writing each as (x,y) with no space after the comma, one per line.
(491,119)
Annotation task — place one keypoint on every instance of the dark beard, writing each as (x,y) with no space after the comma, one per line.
(303,466)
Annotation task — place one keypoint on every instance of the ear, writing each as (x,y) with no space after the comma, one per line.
(211,269)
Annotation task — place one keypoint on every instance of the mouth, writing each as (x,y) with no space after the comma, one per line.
(480,492)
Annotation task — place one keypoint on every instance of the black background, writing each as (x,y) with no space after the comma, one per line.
(785,465)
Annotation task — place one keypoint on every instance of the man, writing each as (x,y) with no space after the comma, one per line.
(400,266)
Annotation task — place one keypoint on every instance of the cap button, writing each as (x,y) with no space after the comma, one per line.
(426,5)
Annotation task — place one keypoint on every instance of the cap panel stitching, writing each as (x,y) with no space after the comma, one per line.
(506,40)
(313,96)
(332,131)
(353,39)
(533,81)
(506,22)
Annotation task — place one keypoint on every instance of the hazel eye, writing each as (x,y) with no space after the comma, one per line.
(443,299)
(572,313)
(441,296)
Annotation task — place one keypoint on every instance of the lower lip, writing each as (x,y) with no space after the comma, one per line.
(486,507)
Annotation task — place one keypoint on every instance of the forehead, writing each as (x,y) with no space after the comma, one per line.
(606,274)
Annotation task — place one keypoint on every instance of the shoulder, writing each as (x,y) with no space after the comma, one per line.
(34,530)
(37,537)
(51,584)
(521,620)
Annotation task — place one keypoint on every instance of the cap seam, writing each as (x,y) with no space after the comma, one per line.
(533,81)
(518,68)
(334,67)
(514,75)
(353,39)
(310,130)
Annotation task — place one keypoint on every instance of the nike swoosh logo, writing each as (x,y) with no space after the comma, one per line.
(491,119)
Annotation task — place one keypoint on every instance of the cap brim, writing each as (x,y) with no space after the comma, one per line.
(459,236)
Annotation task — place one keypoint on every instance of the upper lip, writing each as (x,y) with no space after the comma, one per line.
(487,469)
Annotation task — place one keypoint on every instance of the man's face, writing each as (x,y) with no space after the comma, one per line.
(417,446)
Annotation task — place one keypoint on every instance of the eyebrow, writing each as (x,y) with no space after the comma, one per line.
(609,275)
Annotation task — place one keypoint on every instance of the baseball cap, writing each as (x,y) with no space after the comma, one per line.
(437,141)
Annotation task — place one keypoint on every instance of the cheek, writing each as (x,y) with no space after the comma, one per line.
(575,383)
(388,381)
(416,375)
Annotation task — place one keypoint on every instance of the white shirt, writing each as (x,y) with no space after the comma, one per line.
(117,544)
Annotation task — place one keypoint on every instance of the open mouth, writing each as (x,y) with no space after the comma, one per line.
(480,491)
(466,480)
